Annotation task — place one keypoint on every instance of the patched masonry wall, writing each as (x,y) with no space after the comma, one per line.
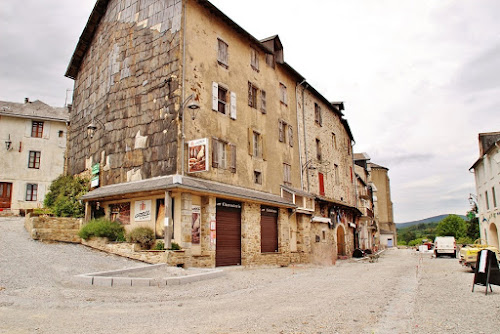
(129,81)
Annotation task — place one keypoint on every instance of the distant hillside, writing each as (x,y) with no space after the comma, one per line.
(426,221)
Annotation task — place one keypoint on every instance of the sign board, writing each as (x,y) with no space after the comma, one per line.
(95,169)
(142,211)
(195,224)
(94,182)
(198,155)
(487,271)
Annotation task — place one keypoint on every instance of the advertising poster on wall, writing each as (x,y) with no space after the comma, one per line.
(196,225)
(142,211)
(120,212)
(197,155)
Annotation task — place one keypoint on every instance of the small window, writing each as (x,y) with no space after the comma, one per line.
(257,177)
(257,152)
(494,196)
(287,174)
(283,95)
(334,141)
(282,128)
(252,95)
(487,200)
(318,149)
(222,100)
(61,133)
(34,160)
(31,192)
(336,171)
(254,59)
(290,136)
(222,55)
(36,129)
(270,60)
(317,114)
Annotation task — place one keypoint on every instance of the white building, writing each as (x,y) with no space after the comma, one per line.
(487,174)
(32,152)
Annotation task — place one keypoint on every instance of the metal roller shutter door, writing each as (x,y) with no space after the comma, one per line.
(269,233)
(228,246)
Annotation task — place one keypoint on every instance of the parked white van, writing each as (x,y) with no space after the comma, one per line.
(445,246)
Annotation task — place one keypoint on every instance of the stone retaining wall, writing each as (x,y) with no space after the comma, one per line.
(53,228)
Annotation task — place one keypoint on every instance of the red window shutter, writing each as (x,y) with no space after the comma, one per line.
(321,184)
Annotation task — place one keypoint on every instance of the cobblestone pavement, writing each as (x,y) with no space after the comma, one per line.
(404,292)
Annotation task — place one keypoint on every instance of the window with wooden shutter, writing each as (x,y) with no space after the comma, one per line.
(281,129)
(283,95)
(318,149)
(252,95)
(321,184)
(290,136)
(317,114)
(263,101)
(254,59)
(215,96)
(287,174)
(215,155)
(222,55)
(232,165)
(233,105)
(250,141)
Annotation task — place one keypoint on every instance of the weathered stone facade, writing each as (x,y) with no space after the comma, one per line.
(53,228)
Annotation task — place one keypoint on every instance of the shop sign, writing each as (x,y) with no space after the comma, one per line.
(233,205)
(95,169)
(142,211)
(94,182)
(195,224)
(197,155)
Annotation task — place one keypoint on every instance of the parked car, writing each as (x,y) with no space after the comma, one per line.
(468,254)
(445,246)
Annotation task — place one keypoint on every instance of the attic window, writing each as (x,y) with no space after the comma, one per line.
(270,61)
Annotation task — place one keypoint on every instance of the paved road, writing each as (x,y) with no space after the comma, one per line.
(403,292)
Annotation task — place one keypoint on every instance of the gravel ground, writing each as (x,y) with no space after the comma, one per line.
(404,292)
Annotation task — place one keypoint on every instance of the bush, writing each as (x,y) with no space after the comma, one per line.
(175,246)
(144,236)
(160,245)
(102,228)
(64,194)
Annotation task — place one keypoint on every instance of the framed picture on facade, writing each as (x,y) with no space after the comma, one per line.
(142,211)
(197,155)
(196,225)
(120,212)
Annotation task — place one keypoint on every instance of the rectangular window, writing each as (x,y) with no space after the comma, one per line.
(336,171)
(36,129)
(31,192)
(222,55)
(281,129)
(494,196)
(34,159)
(487,200)
(270,60)
(256,145)
(321,184)
(334,140)
(318,149)
(283,96)
(219,148)
(290,136)
(254,59)
(257,177)
(252,95)
(222,100)
(287,174)
(317,114)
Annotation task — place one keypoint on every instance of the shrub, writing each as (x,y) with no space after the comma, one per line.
(144,236)
(102,228)
(160,245)
(64,194)
(175,246)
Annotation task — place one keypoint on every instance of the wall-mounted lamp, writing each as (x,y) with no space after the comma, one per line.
(8,143)
(91,128)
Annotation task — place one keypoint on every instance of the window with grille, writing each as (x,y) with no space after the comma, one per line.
(34,159)
(36,129)
(31,192)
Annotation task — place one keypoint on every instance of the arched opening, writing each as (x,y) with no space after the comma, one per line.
(340,241)
(493,235)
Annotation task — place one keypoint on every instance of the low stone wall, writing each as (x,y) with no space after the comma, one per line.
(53,228)
(126,249)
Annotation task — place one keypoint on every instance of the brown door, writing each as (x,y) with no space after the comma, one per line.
(268,230)
(5,195)
(228,227)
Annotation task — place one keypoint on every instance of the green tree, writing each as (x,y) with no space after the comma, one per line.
(64,195)
(452,225)
(473,228)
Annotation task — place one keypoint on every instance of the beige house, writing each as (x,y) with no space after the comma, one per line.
(487,175)
(187,121)
(33,147)
(383,205)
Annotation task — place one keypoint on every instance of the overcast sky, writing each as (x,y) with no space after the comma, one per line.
(419,79)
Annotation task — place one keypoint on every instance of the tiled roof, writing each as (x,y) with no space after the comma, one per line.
(35,110)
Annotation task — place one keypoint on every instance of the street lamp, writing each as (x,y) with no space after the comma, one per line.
(91,128)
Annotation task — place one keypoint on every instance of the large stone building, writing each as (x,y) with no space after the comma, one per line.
(383,205)
(33,147)
(487,175)
(186,120)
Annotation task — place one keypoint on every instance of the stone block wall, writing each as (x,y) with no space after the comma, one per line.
(121,86)
(53,228)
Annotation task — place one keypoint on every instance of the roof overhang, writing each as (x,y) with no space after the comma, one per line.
(161,184)
(339,204)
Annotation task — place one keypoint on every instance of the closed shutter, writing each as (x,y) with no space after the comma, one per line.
(269,230)
(263,101)
(215,96)
(290,135)
(250,141)
(215,153)
(281,131)
(233,158)
(228,245)
(321,184)
(233,105)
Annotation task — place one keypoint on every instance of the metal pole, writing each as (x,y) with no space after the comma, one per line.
(168,221)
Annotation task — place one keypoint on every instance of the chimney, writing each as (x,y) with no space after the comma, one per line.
(26,100)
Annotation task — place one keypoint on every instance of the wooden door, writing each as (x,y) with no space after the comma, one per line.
(5,195)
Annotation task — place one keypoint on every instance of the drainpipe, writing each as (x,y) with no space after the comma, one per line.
(183,91)
(300,146)
(305,136)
